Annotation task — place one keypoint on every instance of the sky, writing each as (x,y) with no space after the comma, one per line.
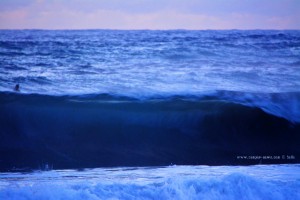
(150,14)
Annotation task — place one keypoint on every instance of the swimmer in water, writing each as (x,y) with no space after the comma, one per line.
(17,88)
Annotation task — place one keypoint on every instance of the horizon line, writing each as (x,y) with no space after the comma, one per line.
(110,29)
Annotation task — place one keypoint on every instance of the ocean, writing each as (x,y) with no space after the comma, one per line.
(142,114)
(173,182)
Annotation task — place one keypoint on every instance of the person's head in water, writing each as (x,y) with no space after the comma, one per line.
(17,88)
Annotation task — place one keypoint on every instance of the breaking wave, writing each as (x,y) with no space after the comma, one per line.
(104,130)
(232,186)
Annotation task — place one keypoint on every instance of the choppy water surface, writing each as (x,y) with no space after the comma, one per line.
(145,63)
(174,182)
(108,98)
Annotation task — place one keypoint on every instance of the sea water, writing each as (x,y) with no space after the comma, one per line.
(101,108)
(144,63)
(172,182)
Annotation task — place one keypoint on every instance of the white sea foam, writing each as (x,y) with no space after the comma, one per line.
(175,182)
(284,105)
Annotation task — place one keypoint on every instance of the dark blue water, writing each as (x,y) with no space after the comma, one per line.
(100,98)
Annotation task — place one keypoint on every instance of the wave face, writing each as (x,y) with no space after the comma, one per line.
(101,131)
(277,182)
(95,98)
